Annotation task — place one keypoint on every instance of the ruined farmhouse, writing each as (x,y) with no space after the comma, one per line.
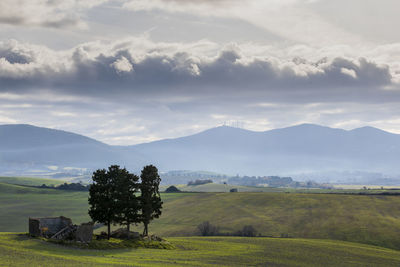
(60,228)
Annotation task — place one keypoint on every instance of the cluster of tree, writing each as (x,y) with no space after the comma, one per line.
(183,177)
(199,182)
(119,197)
(65,186)
(172,189)
(275,181)
(207,229)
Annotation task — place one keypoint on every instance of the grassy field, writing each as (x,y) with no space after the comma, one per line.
(19,250)
(29,181)
(214,188)
(371,219)
(349,189)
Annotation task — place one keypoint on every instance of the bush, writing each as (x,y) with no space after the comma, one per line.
(207,229)
(249,230)
(172,189)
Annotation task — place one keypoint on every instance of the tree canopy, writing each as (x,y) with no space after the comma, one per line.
(150,196)
(114,199)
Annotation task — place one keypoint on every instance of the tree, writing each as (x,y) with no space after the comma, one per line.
(127,203)
(151,203)
(172,189)
(207,229)
(249,230)
(102,197)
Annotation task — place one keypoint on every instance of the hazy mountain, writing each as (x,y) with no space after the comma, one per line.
(302,148)
(24,136)
(299,149)
(24,145)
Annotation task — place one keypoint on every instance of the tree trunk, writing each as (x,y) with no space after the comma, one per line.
(128,227)
(109,230)
(145,231)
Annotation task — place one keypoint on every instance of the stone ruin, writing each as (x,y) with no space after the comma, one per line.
(60,228)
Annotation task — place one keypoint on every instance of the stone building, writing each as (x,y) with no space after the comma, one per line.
(49,226)
(60,228)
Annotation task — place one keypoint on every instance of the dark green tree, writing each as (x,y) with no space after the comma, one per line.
(151,203)
(127,202)
(102,197)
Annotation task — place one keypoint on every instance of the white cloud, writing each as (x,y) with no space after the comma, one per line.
(45,13)
(349,72)
(199,64)
(122,65)
(294,20)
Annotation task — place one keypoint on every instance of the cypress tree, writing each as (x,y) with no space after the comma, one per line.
(127,203)
(102,198)
(150,198)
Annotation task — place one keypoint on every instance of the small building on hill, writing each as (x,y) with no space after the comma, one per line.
(60,228)
(48,226)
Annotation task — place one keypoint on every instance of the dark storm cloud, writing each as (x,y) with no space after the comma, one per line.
(92,70)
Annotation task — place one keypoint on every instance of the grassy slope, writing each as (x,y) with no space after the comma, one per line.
(19,250)
(29,181)
(225,188)
(18,203)
(366,219)
(212,187)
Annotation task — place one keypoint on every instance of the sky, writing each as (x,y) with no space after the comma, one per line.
(127,72)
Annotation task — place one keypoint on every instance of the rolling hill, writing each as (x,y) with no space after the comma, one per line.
(369,219)
(19,250)
(305,148)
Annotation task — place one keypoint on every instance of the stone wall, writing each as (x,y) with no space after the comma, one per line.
(84,233)
(47,226)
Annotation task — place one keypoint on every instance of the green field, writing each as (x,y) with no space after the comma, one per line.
(19,250)
(348,189)
(369,219)
(29,181)
(213,188)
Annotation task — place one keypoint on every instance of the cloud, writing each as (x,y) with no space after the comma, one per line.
(136,90)
(122,65)
(293,20)
(138,66)
(45,13)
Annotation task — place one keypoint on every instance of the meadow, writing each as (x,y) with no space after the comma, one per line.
(20,250)
(368,219)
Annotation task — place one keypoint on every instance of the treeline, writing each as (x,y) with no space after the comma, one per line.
(65,186)
(119,197)
(208,229)
(274,181)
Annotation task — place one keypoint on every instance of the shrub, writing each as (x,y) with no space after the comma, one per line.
(207,229)
(249,230)
(172,189)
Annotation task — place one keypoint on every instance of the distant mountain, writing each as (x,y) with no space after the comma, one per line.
(297,149)
(305,148)
(24,136)
(25,146)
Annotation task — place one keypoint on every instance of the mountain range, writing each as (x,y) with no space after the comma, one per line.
(301,149)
